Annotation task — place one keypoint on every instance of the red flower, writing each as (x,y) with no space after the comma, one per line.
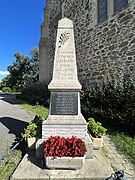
(61,146)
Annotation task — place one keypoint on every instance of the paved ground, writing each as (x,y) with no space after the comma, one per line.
(13,119)
(99,168)
(117,160)
(30,168)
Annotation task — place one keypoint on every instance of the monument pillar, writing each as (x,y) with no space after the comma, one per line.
(65,118)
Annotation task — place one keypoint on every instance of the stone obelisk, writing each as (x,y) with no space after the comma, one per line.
(65,118)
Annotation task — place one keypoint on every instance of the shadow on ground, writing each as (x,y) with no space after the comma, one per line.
(15,126)
(10,98)
(37,162)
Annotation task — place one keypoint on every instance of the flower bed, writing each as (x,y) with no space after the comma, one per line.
(67,153)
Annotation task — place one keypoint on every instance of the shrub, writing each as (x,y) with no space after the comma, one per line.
(6,90)
(61,146)
(96,128)
(30,131)
(113,104)
(34,129)
(36,93)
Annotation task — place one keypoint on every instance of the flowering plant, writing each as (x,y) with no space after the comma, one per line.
(57,146)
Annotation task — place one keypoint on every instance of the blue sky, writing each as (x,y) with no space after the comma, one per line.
(20,22)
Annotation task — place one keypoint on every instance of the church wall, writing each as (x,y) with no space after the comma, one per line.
(103,50)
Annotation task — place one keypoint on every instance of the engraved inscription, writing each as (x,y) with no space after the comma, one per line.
(64,131)
(79,132)
(64,103)
(65,67)
(46,132)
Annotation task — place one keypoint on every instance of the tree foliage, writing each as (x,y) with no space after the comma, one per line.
(23,70)
(3,82)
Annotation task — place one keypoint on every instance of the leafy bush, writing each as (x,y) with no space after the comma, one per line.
(113,104)
(36,93)
(6,89)
(34,129)
(61,146)
(30,131)
(96,128)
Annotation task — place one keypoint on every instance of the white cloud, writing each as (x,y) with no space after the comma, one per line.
(4,73)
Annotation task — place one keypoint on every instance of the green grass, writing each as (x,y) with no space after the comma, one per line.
(36,109)
(104,150)
(9,164)
(124,144)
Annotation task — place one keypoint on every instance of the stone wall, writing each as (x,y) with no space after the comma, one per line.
(103,51)
(112,52)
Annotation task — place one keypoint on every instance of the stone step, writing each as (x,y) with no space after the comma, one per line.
(31,168)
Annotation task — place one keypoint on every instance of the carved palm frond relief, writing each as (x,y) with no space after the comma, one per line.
(63,38)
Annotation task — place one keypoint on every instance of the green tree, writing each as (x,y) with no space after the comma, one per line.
(33,73)
(3,83)
(23,70)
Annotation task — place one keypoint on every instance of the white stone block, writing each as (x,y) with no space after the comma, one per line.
(64,162)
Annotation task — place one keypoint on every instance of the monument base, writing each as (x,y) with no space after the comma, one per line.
(40,147)
(66,126)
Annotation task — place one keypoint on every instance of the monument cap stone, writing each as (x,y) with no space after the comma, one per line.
(65,23)
(65,69)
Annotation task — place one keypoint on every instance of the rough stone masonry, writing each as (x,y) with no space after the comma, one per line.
(102,50)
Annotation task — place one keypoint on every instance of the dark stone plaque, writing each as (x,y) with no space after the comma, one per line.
(64,103)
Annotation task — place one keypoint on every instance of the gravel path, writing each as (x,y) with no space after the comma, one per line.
(13,119)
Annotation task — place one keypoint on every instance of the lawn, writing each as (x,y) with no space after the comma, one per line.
(9,164)
(37,109)
(125,145)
